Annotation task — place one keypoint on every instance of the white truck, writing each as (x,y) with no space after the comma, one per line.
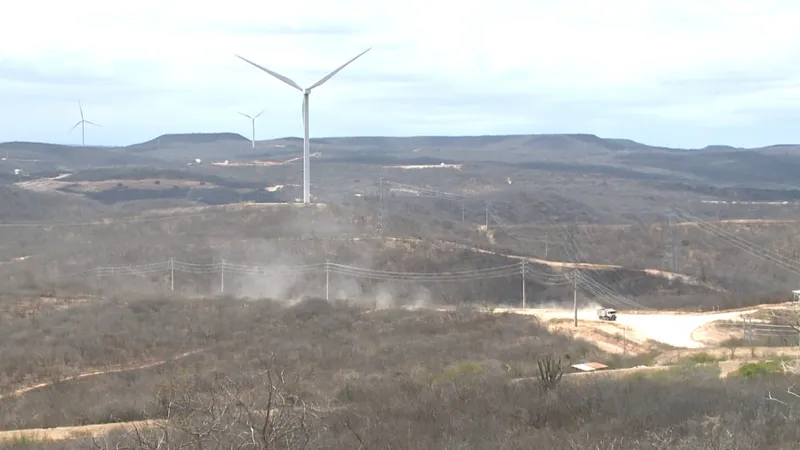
(607,314)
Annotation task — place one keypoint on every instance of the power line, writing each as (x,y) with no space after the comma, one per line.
(172,265)
(741,243)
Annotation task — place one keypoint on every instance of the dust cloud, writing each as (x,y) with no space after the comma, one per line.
(289,280)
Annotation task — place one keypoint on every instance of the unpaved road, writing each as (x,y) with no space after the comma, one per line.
(65,433)
(102,372)
(667,328)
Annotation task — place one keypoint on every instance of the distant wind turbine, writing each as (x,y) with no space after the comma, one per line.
(83,123)
(253,120)
(306,92)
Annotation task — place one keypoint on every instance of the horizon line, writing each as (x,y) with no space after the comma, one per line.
(466,136)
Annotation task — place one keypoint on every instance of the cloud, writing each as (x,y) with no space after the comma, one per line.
(662,72)
(18,72)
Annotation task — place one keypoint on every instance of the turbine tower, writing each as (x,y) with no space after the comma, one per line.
(83,123)
(253,120)
(306,92)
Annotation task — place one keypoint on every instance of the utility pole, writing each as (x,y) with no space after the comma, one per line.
(575,296)
(747,329)
(523,284)
(486,206)
(171,273)
(744,329)
(463,211)
(222,277)
(327,278)
(546,245)
(380,206)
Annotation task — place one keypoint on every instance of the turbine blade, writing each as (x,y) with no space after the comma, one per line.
(286,80)
(245,115)
(76,125)
(328,76)
(92,123)
(262,112)
(80,108)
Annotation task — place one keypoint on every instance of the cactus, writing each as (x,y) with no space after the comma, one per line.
(550,371)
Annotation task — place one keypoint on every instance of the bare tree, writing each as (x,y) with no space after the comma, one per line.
(252,413)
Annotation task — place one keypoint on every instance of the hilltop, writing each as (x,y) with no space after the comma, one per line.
(184,139)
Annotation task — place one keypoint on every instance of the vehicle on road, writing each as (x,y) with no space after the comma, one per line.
(607,314)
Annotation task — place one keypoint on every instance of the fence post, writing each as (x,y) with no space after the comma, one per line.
(327,279)
(523,284)
(222,277)
(171,273)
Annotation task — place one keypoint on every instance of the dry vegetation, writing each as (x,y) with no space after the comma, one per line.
(286,236)
(702,254)
(336,376)
(214,370)
(330,347)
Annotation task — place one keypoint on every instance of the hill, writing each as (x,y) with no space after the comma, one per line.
(188,147)
(368,321)
(580,154)
(22,205)
(38,156)
(185,139)
(122,185)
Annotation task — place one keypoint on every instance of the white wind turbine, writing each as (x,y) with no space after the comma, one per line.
(306,92)
(83,123)
(253,120)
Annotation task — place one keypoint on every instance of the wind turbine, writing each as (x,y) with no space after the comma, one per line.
(253,120)
(306,92)
(83,123)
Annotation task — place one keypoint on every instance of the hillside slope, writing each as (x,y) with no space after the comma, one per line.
(22,205)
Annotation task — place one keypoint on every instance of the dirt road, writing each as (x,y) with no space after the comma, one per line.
(664,327)
(102,372)
(66,433)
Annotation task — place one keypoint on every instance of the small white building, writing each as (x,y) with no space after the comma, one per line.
(796,295)
(589,367)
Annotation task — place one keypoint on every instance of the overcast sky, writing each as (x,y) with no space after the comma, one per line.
(681,73)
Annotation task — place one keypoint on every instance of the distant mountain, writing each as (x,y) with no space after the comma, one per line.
(549,152)
(532,142)
(780,149)
(38,156)
(186,139)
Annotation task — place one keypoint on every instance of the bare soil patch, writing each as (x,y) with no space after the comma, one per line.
(67,433)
